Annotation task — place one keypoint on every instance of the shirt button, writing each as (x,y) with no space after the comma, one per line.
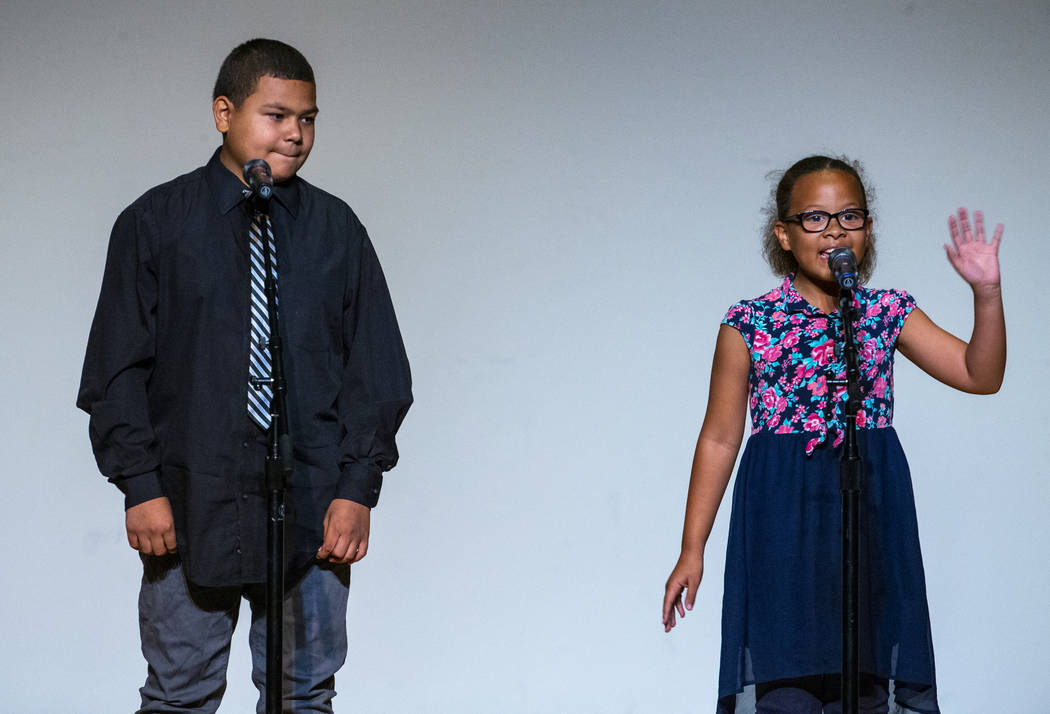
(244,496)
(244,444)
(238,550)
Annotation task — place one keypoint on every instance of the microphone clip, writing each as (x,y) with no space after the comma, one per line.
(259,179)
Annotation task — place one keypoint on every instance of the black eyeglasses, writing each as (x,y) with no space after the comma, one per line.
(850,219)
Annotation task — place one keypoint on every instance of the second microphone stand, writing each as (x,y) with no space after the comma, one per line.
(278,472)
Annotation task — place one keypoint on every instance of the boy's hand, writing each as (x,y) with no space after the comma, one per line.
(151,527)
(346,527)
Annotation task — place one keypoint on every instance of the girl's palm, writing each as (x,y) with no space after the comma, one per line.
(974,259)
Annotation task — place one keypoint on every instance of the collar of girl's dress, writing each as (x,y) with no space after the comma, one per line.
(791,301)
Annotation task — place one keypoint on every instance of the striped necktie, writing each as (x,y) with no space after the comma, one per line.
(260,394)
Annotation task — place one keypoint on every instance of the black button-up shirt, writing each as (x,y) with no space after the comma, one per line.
(166,372)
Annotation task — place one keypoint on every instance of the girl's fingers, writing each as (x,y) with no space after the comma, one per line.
(676,602)
(978,219)
(952,257)
(953,230)
(997,236)
(964,222)
(961,231)
(669,606)
(669,618)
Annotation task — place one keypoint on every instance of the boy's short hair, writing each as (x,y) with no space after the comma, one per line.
(256,58)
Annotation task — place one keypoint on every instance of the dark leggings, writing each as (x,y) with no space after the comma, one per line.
(819,693)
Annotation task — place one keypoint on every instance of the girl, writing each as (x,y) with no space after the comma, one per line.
(781,621)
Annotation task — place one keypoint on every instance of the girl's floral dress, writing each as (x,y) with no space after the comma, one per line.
(781,614)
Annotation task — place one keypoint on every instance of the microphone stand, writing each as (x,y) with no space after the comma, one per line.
(850,483)
(278,472)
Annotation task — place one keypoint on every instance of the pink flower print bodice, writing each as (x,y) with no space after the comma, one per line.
(796,349)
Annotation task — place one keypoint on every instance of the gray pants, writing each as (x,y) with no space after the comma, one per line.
(186,632)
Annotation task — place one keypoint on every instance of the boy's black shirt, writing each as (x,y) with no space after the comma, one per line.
(166,371)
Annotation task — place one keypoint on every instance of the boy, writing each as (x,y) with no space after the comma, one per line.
(166,382)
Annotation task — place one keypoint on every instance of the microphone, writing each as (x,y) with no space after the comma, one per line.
(258,177)
(843,264)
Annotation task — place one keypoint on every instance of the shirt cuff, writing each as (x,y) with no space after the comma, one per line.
(141,488)
(360,483)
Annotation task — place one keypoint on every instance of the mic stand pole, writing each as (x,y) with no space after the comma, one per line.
(850,483)
(278,471)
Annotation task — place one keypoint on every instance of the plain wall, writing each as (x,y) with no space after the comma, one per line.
(565,197)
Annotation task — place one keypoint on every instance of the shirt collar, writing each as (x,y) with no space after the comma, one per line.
(791,301)
(228,190)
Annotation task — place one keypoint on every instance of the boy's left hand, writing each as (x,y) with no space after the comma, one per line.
(346,527)
(974,259)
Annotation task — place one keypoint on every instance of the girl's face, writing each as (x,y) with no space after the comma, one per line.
(829,191)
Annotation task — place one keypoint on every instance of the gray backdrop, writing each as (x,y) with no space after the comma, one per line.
(565,197)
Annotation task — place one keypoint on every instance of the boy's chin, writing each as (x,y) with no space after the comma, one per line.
(283,171)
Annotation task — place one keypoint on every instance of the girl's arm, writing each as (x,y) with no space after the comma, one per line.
(716,451)
(976,367)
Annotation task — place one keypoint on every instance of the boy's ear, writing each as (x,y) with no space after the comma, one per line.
(780,230)
(221,109)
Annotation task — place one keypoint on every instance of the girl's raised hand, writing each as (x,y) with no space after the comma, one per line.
(974,259)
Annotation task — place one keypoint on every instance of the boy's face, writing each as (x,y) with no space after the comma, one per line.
(274,123)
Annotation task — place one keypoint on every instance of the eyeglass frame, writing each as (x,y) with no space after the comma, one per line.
(797,218)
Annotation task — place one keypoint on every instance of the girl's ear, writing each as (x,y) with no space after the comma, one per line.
(780,230)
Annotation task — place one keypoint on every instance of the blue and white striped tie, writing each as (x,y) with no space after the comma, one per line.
(260,394)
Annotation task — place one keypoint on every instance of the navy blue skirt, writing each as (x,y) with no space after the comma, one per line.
(781,613)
